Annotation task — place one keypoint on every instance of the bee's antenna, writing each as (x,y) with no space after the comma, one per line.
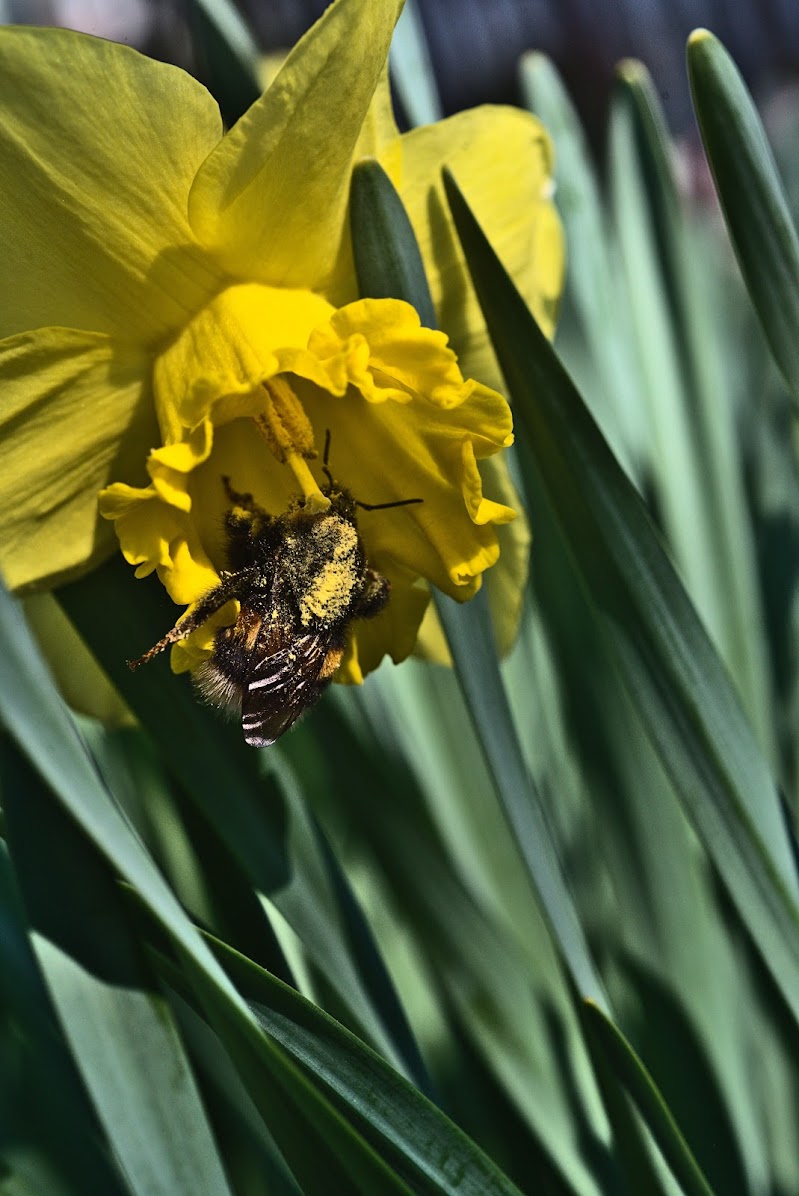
(325,459)
(384,506)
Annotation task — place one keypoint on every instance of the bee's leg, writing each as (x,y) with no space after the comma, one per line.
(374,595)
(209,604)
(243,499)
(244,523)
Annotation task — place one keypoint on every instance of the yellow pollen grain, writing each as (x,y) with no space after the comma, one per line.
(331,593)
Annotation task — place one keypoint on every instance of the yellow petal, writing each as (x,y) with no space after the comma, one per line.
(505,583)
(271,200)
(75,413)
(391,633)
(243,336)
(379,134)
(156,535)
(98,149)
(401,358)
(501,158)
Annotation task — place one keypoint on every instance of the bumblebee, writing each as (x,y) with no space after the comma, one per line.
(301,578)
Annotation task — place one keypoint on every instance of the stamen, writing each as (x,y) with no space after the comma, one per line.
(289,434)
(283,423)
(315,500)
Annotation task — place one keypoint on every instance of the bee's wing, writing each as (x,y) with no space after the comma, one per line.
(286,677)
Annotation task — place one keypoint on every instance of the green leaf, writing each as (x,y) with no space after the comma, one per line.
(689,268)
(387,258)
(634,1077)
(32,711)
(592,266)
(322,1149)
(45,1116)
(412,71)
(677,467)
(388,263)
(751,194)
(655,640)
(436,1157)
(473,956)
(121,1033)
(249,798)
(228,54)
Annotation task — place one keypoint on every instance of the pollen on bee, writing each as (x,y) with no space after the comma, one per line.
(331,592)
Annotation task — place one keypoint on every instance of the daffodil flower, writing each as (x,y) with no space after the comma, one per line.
(181,308)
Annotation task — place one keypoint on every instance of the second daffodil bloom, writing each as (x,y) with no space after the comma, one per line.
(180,308)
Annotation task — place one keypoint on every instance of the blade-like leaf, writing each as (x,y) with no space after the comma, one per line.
(686,266)
(592,267)
(634,1077)
(435,1156)
(249,798)
(323,1150)
(504,999)
(228,54)
(122,1035)
(388,263)
(680,485)
(45,1115)
(751,194)
(676,680)
(412,71)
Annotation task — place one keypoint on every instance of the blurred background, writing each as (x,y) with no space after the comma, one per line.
(475,45)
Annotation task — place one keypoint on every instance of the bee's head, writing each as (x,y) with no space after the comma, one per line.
(340,497)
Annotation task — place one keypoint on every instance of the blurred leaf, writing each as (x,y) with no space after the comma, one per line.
(751,195)
(689,267)
(228,55)
(33,712)
(677,467)
(633,1076)
(47,1126)
(254,1163)
(473,956)
(468,631)
(592,267)
(412,71)
(674,677)
(670,964)
(322,1149)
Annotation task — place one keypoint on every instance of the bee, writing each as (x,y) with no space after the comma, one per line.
(301,578)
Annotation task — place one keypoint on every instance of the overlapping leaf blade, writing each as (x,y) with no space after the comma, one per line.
(320,1146)
(249,799)
(388,262)
(436,1157)
(675,678)
(120,1032)
(633,1076)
